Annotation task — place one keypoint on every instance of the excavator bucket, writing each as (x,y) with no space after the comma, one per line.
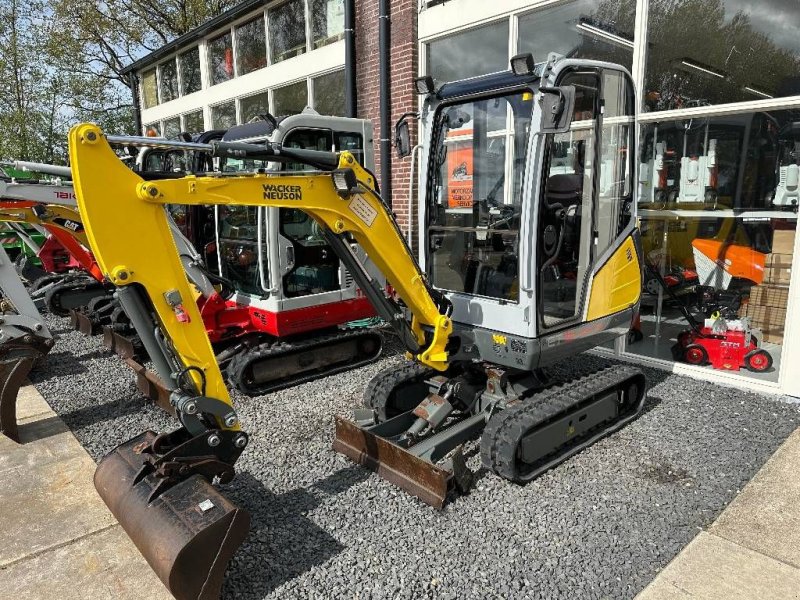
(14,369)
(417,476)
(17,358)
(187,533)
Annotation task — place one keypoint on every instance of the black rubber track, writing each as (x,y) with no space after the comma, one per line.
(505,430)
(238,366)
(381,391)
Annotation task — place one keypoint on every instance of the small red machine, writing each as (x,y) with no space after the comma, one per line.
(727,345)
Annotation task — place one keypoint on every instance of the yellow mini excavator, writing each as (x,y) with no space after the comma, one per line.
(526,260)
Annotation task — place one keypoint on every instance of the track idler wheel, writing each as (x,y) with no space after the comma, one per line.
(186,530)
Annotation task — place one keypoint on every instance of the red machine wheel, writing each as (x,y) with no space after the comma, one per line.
(685,338)
(695,354)
(758,360)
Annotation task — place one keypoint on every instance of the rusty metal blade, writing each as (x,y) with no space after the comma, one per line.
(187,534)
(151,386)
(14,369)
(122,345)
(83,323)
(418,477)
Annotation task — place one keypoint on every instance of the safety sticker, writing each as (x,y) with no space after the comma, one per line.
(363,210)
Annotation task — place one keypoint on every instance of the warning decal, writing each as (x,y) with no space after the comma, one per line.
(363,210)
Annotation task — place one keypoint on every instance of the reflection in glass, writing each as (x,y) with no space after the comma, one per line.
(731,256)
(329,94)
(715,51)
(327,22)
(253,106)
(193,122)
(223,116)
(220,59)
(190,71)
(446,56)
(287,30)
(473,232)
(172,128)
(149,89)
(581,29)
(169,81)
(238,247)
(251,46)
(290,99)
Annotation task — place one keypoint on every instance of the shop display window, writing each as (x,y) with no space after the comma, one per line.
(193,122)
(290,99)
(149,89)
(223,116)
(169,80)
(220,59)
(581,29)
(718,209)
(172,128)
(446,56)
(287,30)
(705,52)
(329,94)
(190,71)
(327,21)
(251,46)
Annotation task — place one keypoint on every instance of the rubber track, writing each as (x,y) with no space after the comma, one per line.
(505,429)
(270,350)
(380,387)
(52,297)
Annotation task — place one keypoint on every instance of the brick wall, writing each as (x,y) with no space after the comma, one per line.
(403,69)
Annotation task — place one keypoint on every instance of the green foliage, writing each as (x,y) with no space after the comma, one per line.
(61,64)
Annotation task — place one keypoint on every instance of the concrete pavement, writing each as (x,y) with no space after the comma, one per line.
(58,538)
(752,550)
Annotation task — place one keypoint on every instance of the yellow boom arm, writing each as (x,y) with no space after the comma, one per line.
(133,244)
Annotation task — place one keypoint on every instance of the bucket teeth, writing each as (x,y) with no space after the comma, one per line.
(187,533)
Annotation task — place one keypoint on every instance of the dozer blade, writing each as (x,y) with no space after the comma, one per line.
(81,322)
(187,533)
(417,476)
(122,345)
(151,386)
(14,369)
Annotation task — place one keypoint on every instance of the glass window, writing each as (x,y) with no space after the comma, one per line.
(252,106)
(473,236)
(329,94)
(190,71)
(702,53)
(446,56)
(251,46)
(581,29)
(287,30)
(169,80)
(238,247)
(152,129)
(193,122)
(220,59)
(223,116)
(718,229)
(172,128)
(327,21)
(290,99)
(149,89)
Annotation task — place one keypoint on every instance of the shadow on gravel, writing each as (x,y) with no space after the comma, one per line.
(99,412)
(283,543)
(58,364)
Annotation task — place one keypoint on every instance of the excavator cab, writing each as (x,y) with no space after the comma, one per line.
(520,267)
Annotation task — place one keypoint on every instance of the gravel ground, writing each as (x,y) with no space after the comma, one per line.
(600,525)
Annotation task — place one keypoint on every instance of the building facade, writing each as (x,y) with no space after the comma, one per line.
(718,121)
